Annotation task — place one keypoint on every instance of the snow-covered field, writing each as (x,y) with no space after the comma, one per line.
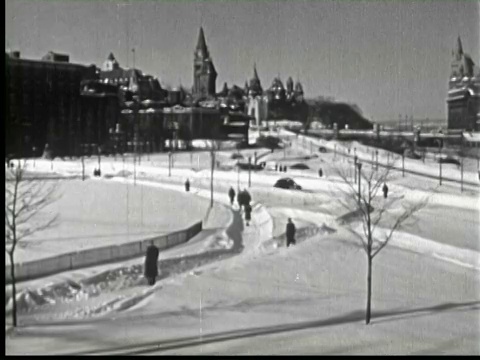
(238,290)
(99,213)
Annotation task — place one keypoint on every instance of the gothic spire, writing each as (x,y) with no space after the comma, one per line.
(201,44)
(255,74)
(459,49)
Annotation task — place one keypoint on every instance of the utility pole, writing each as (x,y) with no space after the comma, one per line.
(440,161)
(355,167)
(238,177)
(359,181)
(461,172)
(403,164)
(170,163)
(249,171)
(99,150)
(211,176)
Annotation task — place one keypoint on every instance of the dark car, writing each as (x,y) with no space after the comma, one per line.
(246,166)
(287,183)
(236,156)
(299,166)
(448,160)
(322,149)
(411,154)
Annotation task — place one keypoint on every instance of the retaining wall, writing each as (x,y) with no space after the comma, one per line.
(98,256)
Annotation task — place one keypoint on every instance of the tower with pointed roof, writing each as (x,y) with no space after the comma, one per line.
(204,73)
(111,63)
(462,64)
(463,99)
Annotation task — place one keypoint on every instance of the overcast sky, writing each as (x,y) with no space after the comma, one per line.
(390,57)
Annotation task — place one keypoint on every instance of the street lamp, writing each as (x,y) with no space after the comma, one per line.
(355,160)
(249,171)
(376,157)
(440,159)
(170,163)
(99,157)
(34,149)
(359,181)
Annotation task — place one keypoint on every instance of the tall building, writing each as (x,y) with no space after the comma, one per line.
(204,73)
(463,99)
(44,104)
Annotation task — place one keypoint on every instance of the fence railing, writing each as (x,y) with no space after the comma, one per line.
(98,256)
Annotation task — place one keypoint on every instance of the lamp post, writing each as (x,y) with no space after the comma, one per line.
(83,167)
(461,172)
(238,176)
(211,176)
(134,168)
(376,159)
(403,164)
(359,182)
(34,155)
(440,160)
(355,160)
(249,171)
(99,150)
(170,163)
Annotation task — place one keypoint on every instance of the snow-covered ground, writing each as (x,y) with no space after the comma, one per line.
(99,213)
(240,291)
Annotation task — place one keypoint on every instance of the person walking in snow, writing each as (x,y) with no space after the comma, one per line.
(187,185)
(290,232)
(385,190)
(248,214)
(231,195)
(247,198)
(151,264)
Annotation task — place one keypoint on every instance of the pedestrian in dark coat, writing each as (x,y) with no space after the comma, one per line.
(290,232)
(247,198)
(248,214)
(231,195)
(320,172)
(187,186)
(151,268)
(240,199)
(385,190)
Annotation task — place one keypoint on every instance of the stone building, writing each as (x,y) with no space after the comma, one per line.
(463,99)
(44,104)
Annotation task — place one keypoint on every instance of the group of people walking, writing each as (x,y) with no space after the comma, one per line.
(243,199)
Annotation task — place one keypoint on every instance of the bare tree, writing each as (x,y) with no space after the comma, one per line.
(374,210)
(25,198)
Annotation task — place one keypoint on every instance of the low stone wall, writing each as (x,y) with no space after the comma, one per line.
(98,256)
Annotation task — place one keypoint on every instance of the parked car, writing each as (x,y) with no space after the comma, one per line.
(246,166)
(448,160)
(236,156)
(287,183)
(322,149)
(299,166)
(411,154)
